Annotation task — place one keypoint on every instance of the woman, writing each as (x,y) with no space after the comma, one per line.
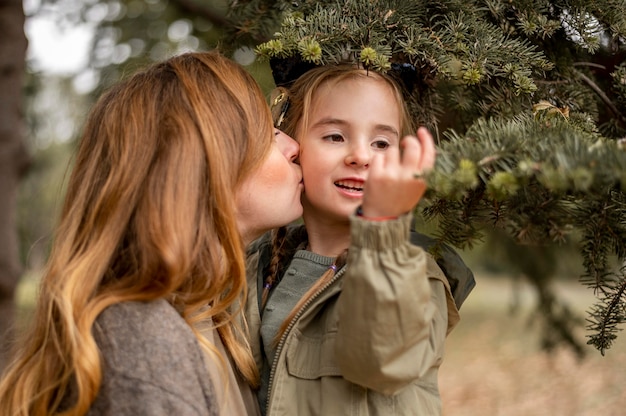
(178,168)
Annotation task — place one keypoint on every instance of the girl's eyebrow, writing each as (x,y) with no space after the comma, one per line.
(387,128)
(330,121)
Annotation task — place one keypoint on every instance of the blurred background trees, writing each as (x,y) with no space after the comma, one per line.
(527,98)
(13,154)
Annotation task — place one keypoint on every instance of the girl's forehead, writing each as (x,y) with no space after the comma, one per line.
(350,86)
(354,91)
(362,102)
(355,79)
(373,96)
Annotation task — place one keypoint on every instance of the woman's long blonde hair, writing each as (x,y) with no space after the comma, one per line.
(149,213)
(292,109)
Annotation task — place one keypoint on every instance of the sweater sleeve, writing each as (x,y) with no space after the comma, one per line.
(392,309)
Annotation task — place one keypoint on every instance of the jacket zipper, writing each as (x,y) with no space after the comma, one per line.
(283,338)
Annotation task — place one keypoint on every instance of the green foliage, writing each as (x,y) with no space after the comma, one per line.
(542,179)
(458,46)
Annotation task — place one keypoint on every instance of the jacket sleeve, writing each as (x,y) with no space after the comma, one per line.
(392,310)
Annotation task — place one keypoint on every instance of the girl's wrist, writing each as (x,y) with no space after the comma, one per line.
(359,213)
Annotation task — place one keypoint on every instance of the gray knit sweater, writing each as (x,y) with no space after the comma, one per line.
(152,363)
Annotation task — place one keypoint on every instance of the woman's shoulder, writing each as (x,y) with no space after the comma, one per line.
(150,346)
(147,338)
(135,320)
(154,330)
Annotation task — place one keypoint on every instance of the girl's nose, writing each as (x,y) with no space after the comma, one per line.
(359,155)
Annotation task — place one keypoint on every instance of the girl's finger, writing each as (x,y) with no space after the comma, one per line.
(411,153)
(429,151)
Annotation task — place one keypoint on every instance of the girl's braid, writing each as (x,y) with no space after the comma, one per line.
(274,269)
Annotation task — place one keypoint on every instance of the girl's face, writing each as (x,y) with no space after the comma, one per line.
(270,196)
(349,122)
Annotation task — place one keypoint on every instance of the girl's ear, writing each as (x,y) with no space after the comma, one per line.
(279,103)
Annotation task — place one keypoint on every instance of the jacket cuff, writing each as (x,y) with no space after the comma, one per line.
(380,235)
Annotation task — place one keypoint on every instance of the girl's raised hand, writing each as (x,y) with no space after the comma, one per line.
(394,186)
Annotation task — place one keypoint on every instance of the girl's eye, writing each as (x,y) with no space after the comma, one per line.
(335,138)
(380,144)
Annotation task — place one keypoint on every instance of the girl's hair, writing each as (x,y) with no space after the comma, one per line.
(292,108)
(149,213)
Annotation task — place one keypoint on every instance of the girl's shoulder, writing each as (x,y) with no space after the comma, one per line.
(459,276)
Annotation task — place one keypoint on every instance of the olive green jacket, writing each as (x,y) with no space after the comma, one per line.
(372,341)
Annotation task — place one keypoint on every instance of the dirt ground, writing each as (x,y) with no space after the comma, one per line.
(494,366)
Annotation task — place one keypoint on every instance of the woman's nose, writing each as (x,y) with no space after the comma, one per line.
(288,146)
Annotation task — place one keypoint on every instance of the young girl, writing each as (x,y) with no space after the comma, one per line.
(178,168)
(367,337)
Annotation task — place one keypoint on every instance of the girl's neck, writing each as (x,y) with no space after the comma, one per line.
(327,238)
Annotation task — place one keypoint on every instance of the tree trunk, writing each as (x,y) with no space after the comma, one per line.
(13,157)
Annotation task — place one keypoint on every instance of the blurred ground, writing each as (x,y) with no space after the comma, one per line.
(494,366)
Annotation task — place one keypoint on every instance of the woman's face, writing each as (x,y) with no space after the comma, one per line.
(270,196)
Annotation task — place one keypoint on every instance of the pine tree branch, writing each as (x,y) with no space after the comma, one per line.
(605,99)
(590,64)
